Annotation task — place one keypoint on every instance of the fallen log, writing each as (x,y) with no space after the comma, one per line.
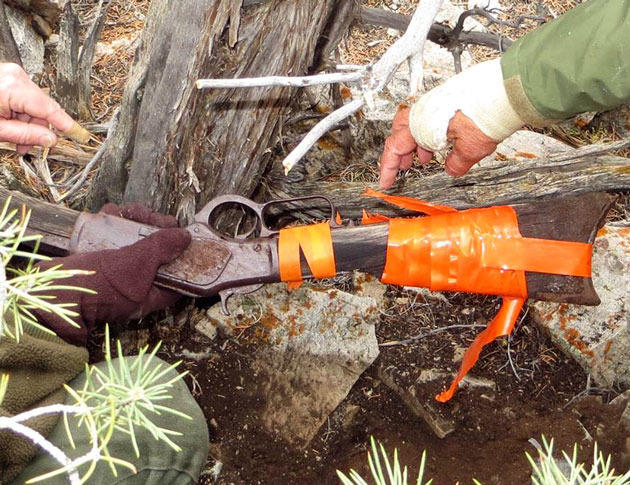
(510,182)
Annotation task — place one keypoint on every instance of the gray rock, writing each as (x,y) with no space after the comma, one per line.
(317,343)
(522,145)
(598,337)
(30,45)
(422,408)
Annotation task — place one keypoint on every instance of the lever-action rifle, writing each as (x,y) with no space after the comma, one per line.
(216,264)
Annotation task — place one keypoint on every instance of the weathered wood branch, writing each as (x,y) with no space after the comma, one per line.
(72,86)
(438,34)
(508,183)
(68,60)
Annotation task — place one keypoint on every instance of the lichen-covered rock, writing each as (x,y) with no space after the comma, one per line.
(314,345)
(524,145)
(598,337)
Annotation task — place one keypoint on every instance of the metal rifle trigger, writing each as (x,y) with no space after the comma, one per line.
(228,292)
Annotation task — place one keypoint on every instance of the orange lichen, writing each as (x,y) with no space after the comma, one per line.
(607,347)
(574,338)
(525,155)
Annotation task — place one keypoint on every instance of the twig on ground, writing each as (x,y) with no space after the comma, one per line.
(92,163)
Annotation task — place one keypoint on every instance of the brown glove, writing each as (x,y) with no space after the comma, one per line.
(123,278)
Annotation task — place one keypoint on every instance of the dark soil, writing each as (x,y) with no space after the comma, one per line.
(541,393)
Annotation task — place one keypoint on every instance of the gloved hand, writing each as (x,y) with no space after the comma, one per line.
(123,278)
(470,110)
(26,111)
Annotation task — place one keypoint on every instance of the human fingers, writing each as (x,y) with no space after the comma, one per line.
(23,149)
(406,161)
(26,134)
(398,151)
(389,163)
(470,145)
(18,94)
(27,98)
(424,156)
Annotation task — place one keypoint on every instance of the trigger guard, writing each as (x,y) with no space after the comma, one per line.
(203,216)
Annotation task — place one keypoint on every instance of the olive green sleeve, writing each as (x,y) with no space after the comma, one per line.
(578,62)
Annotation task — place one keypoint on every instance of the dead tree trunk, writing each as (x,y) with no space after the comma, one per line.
(175,147)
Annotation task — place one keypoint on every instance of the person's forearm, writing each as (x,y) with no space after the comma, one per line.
(576,63)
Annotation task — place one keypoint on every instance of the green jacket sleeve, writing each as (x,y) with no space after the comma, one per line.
(578,62)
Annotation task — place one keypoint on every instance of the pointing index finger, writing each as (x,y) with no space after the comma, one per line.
(33,101)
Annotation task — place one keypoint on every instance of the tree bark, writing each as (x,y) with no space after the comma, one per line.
(49,10)
(509,183)
(74,66)
(186,145)
(8,49)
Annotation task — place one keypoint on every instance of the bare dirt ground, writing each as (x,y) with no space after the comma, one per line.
(535,388)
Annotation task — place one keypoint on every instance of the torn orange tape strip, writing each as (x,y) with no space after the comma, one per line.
(315,242)
(475,251)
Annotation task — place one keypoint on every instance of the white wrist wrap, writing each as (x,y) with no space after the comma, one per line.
(479,93)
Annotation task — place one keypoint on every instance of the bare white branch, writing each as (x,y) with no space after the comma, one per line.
(416,73)
(36,438)
(410,43)
(319,130)
(70,467)
(290,81)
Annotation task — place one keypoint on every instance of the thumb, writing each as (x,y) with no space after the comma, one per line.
(163,246)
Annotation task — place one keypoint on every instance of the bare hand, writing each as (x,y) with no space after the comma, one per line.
(26,111)
(470,145)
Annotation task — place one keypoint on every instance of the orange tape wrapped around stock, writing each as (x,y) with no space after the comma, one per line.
(475,251)
(315,242)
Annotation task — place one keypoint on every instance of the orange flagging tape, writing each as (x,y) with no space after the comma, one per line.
(410,203)
(315,242)
(475,251)
(501,325)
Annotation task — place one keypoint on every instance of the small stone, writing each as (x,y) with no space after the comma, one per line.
(425,410)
